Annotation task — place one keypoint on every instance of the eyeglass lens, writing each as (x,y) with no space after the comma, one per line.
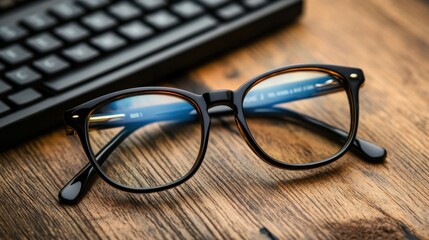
(160,137)
(281,110)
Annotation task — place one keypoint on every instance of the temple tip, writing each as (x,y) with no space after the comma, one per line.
(74,190)
(370,152)
(71,193)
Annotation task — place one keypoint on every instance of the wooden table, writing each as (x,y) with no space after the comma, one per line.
(236,195)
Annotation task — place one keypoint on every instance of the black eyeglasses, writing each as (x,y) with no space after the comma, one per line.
(153,138)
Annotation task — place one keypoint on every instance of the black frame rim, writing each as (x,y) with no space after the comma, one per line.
(354,113)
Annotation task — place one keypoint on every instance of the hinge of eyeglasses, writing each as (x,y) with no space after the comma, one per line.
(70,131)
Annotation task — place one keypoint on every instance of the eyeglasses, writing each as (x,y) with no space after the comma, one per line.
(150,139)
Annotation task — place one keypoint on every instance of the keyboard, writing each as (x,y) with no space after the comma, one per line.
(57,54)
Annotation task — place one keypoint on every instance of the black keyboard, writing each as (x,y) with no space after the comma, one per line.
(56,54)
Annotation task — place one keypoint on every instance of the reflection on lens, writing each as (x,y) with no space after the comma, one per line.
(154,139)
(285,113)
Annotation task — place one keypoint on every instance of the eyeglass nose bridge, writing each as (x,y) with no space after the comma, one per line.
(219,97)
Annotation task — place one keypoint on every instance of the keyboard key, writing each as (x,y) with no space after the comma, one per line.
(67,11)
(1,67)
(15,54)
(11,33)
(51,64)
(71,32)
(23,75)
(162,19)
(3,107)
(80,53)
(125,11)
(39,21)
(230,11)
(108,41)
(187,9)
(44,42)
(24,97)
(94,4)
(4,87)
(151,5)
(254,3)
(99,21)
(135,52)
(135,30)
(213,3)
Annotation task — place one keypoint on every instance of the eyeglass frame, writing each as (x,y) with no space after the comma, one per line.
(77,122)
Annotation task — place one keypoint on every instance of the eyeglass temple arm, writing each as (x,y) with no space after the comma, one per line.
(77,186)
(73,191)
(368,151)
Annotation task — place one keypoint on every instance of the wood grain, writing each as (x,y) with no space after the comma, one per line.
(235,194)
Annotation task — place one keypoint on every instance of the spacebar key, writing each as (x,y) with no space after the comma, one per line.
(132,53)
